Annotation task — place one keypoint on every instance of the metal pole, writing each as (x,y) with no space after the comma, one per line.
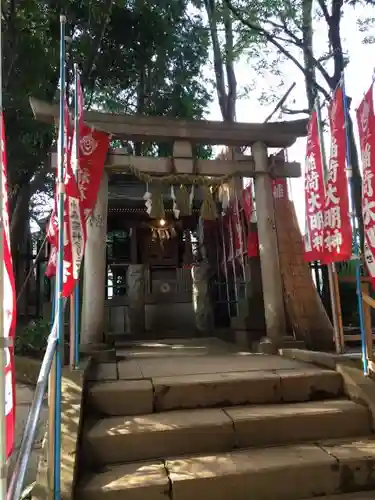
(60,270)
(3,475)
(74,300)
(28,437)
(355,239)
(334,291)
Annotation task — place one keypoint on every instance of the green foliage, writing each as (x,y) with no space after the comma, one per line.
(32,340)
(136,56)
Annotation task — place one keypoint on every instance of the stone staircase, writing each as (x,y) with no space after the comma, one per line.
(262,435)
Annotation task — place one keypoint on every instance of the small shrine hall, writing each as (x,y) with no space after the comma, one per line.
(158,260)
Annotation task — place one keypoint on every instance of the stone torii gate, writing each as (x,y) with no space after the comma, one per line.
(183,134)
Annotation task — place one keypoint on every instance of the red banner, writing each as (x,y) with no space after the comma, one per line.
(280,192)
(9,308)
(93,151)
(80,198)
(337,227)
(74,233)
(366,128)
(314,194)
(52,229)
(247,202)
(252,242)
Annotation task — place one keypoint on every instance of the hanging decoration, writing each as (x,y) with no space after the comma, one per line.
(182,201)
(148,200)
(162,232)
(208,208)
(154,201)
(223,196)
(314,194)
(366,128)
(337,226)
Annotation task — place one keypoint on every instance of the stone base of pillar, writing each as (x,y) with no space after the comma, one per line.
(266,346)
(201,297)
(102,353)
(136,298)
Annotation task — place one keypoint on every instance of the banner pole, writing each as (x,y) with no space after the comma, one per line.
(356,249)
(51,404)
(334,290)
(3,464)
(60,269)
(74,300)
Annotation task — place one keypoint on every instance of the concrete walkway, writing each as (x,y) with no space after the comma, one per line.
(24,397)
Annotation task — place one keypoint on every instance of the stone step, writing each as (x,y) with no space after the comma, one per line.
(137,397)
(361,495)
(284,472)
(158,435)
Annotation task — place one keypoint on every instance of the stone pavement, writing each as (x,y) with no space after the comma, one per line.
(181,357)
(24,397)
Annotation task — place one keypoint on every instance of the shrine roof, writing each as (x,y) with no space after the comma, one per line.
(165,129)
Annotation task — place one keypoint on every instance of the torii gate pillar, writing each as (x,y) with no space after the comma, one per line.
(268,249)
(93,316)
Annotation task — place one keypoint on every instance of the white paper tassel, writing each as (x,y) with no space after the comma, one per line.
(224,197)
(148,200)
(176,211)
(191,197)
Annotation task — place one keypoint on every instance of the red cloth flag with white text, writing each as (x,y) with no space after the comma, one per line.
(9,308)
(93,150)
(74,226)
(52,229)
(74,220)
(366,128)
(314,194)
(247,201)
(280,192)
(280,189)
(337,226)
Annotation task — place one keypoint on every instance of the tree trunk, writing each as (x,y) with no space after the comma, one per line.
(308,57)
(19,231)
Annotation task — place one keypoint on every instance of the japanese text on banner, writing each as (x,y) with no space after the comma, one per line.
(337,226)
(366,123)
(314,194)
(89,160)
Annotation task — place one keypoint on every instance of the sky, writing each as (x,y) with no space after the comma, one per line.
(358,75)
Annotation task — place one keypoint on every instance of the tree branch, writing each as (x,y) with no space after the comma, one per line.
(270,38)
(288,111)
(281,102)
(231,76)
(299,42)
(94,55)
(218,59)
